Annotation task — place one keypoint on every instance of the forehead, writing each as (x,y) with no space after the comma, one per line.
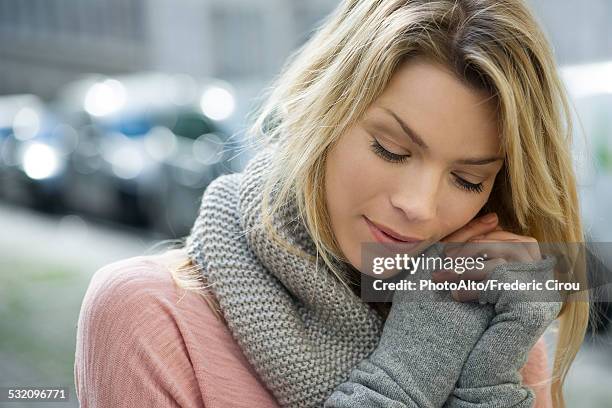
(440,107)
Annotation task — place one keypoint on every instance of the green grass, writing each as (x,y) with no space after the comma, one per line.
(39,306)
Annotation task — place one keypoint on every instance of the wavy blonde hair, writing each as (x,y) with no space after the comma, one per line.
(494,45)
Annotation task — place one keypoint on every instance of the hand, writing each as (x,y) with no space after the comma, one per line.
(490,376)
(499,246)
(426,339)
(478,227)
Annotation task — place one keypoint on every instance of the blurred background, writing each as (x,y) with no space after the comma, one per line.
(115,115)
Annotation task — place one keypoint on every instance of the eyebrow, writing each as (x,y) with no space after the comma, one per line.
(419,141)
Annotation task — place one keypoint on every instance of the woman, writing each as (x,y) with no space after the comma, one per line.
(413,117)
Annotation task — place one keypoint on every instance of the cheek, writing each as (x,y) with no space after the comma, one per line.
(460,211)
(351,176)
(350,187)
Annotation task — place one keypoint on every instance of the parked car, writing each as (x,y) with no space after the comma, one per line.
(34,150)
(149,143)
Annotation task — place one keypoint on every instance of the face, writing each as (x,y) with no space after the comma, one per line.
(421,161)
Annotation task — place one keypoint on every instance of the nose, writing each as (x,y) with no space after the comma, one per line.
(418,197)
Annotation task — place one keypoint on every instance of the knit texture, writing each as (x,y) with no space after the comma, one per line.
(299,327)
(490,376)
(426,340)
(437,352)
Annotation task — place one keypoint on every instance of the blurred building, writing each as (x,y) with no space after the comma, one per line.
(46,43)
(579,31)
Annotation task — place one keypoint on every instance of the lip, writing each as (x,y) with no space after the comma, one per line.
(384,234)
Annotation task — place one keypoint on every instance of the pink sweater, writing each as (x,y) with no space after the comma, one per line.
(141,341)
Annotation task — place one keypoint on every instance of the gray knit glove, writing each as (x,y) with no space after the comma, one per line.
(490,377)
(425,342)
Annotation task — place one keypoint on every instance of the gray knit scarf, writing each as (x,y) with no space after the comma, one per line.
(300,329)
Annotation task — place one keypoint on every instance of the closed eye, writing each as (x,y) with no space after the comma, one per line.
(402,158)
(387,155)
(466,185)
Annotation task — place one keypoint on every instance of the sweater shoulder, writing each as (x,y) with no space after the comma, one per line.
(136,337)
(128,282)
(140,289)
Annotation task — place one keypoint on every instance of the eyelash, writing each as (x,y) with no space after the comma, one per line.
(400,158)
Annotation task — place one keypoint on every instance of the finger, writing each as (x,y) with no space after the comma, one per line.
(475,227)
(447,275)
(475,274)
(444,275)
(513,251)
(500,235)
(465,295)
(497,228)
(533,247)
(530,243)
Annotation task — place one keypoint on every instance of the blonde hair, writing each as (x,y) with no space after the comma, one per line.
(495,45)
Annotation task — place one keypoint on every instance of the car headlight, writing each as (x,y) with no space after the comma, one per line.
(40,161)
(218,102)
(104,98)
